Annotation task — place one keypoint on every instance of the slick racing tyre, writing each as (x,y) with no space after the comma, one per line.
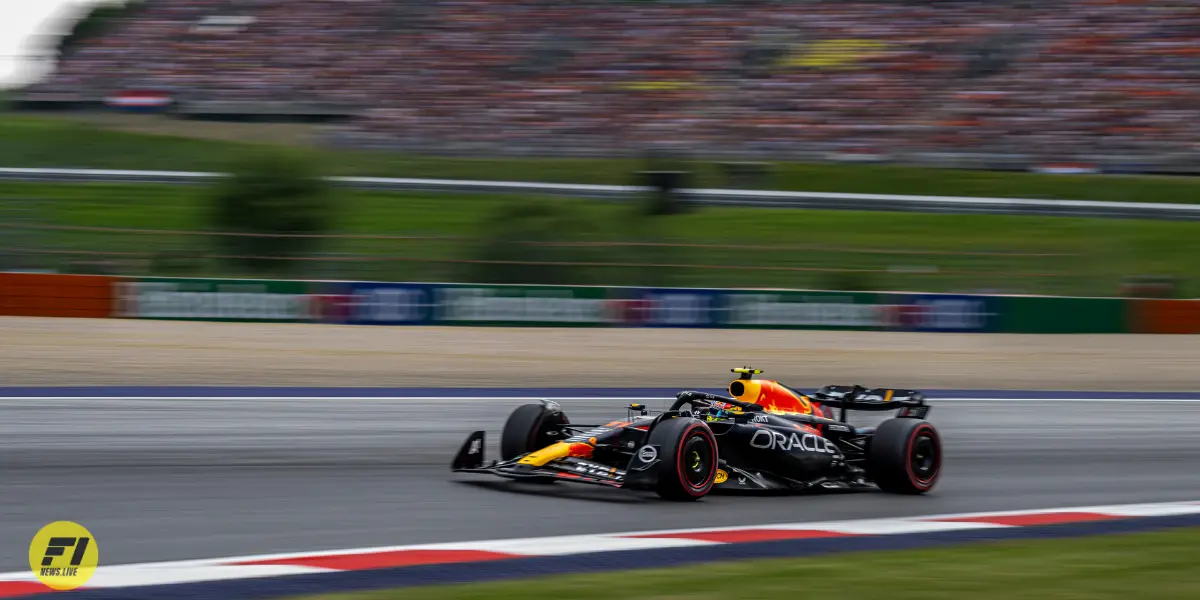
(905,456)
(687,450)
(530,427)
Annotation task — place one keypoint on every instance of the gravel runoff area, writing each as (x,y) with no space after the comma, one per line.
(37,351)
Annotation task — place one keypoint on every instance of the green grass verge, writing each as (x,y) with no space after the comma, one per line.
(1159,565)
(41,142)
(725,247)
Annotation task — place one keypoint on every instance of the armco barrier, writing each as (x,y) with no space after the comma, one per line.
(1164,316)
(52,295)
(375,303)
(711,197)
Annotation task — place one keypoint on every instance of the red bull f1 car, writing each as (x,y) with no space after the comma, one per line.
(763,437)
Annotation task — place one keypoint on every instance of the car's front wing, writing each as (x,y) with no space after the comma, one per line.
(568,469)
(470,460)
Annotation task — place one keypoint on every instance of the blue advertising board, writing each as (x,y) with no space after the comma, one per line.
(940,312)
(390,304)
(663,307)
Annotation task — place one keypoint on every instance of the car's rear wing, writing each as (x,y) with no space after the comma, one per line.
(909,403)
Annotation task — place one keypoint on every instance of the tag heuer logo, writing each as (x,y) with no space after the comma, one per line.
(647,454)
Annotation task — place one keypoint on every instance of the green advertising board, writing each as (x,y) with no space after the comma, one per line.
(771,309)
(551,306)
(214,300)
(1046,314)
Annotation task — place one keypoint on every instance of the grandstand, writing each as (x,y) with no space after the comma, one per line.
(1068,80)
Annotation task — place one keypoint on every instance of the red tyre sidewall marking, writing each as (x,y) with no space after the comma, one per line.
(712,472)
(937,466)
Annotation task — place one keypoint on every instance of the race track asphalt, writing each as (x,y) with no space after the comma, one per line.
(166,479)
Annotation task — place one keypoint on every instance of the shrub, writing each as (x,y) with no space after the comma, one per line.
(541,242)
(849,281)
(281,202)
(664,197)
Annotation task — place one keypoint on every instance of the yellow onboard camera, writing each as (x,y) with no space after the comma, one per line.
(746,372)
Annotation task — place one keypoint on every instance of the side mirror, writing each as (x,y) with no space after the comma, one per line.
(639,408)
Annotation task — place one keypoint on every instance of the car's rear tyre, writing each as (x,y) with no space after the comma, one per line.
(688,455)
(530,427)
(905,456)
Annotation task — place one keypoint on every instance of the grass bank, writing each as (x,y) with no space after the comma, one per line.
(430,237)
(1159,565)
(45,142)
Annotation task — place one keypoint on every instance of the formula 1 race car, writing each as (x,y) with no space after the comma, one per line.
(765,436)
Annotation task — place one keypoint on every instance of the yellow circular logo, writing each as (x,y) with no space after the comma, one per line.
(722,476)
(63,555)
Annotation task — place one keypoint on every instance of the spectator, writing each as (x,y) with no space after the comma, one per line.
(1063,78)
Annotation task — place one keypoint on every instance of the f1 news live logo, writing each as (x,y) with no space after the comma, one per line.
(63,555)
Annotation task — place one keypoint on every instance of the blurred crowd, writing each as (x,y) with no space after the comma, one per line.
(1061,77)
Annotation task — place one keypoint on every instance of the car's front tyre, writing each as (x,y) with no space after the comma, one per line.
(530,427)
(688,454)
